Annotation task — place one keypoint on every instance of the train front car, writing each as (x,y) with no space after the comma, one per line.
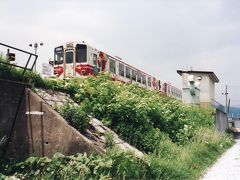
(75,59)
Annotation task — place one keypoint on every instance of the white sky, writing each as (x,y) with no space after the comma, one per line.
(157,36)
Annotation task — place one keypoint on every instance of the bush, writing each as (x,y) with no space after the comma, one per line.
(137,114)
(75,116)
(171,162)
(109,141)
(114,164)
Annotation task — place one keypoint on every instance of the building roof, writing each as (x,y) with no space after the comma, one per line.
(210,73)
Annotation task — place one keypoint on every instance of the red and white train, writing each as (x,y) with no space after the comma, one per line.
(80,59)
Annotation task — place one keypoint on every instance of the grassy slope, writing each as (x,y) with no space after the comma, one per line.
(179,140)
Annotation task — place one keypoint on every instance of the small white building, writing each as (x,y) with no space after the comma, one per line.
(198,86)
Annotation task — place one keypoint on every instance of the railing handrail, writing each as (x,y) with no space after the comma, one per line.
(18,49)
(14,65)
(23,90)
(218,105)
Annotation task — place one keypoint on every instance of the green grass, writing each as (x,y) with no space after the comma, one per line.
(172,162)
(189,161)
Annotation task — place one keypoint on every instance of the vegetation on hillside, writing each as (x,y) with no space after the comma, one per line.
(179,140)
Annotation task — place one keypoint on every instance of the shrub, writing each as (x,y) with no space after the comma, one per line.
(54,84)
(114,164)
(75,116)
(109,141)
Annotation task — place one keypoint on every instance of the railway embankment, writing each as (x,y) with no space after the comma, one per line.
(34,128)
(178,142)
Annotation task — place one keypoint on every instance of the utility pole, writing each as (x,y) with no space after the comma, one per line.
(226,98)
(36,45)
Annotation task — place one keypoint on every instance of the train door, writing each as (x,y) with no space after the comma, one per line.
(69,63)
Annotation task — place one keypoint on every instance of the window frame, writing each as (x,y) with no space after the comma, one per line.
(66,57)
(94,60)
(128,71)
(121,70)
(79,60)
(139,77)
(144,81)
(111,62)
(134,75)
(149,81)
(58,55)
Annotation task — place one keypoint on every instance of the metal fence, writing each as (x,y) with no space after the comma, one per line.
(30,55)
(218,105)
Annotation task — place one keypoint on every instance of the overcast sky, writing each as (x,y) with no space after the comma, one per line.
(157,36)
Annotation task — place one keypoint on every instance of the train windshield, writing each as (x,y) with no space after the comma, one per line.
(81,53)
(58,55)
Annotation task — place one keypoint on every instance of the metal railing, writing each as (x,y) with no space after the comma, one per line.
(218,105)
(28,61)
(23,90)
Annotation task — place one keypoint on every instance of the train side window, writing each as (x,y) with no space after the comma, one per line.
(159,85)
(134,75)
(144,79)
(94,59)
(121,69)
(149,82)
(128,72)
(112,65)
(139,76)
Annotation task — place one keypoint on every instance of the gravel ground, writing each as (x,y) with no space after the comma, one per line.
(227,167)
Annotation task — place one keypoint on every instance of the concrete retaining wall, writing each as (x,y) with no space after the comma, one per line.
(10,94)
(39,130)
(221,121)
